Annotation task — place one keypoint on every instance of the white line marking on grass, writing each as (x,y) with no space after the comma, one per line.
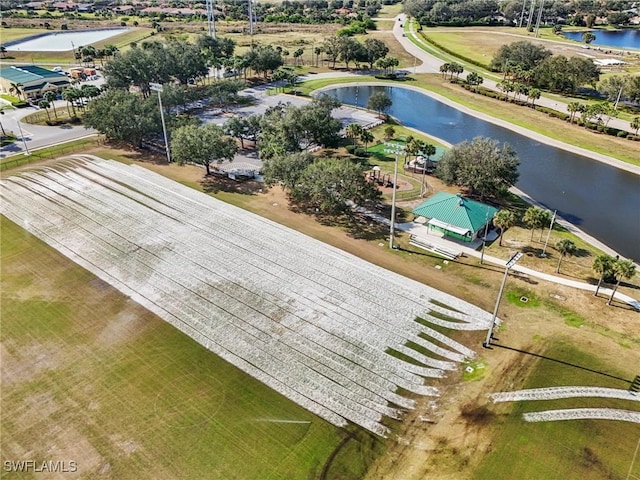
(583,414)
(553,393)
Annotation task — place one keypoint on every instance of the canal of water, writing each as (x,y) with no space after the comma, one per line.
(602,200)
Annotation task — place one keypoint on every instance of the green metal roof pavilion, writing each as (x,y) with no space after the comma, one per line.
(29,73)
(456,211)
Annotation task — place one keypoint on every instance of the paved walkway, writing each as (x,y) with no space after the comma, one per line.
(421,231)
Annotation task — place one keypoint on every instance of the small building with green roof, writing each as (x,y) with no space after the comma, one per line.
(33,81)
(455,216)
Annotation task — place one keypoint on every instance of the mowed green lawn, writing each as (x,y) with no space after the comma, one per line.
(578,449)
(90,376)
(16,33)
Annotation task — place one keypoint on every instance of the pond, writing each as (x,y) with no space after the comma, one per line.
(627,38)
(600,199)
(62,41)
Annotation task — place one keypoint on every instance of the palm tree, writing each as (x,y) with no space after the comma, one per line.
(573,108)
(534,94)
(621,269)
(44,104)
(353,131)
(534,218)
(366,136)
(565,247)
(603,266)
(3,50)
(635,124)
(474,79)
(70,95)
(444,68)
(16,89)
(51,97)
(504,220)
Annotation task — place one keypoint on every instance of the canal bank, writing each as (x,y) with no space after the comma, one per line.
(585,195)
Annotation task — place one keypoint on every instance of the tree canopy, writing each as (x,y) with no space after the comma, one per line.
(380,102)
(121,115)
(286,128)
(523,54)
(203,145)
(483,166)
(323,185)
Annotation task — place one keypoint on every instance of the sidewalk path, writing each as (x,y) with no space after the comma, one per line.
(420,231)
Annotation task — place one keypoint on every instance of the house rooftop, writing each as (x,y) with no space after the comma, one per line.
(456,210)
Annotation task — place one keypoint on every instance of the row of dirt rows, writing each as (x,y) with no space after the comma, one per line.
(309,320)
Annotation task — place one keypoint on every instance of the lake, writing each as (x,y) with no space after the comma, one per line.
(600,199)
(627,38)
(62,41)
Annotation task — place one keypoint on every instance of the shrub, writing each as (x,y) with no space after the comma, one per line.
(64,27)
(622,134)
(360,152)
(351,148)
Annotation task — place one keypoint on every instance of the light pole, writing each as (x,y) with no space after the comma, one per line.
(512,261)
(157,87)
(395,149)
(484,239)
(24,141)
(544,250)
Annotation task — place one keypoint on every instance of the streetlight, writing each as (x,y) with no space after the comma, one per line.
(157,87)
(24,141)
(484,239)
(546,242)
(395,149)
(512,261)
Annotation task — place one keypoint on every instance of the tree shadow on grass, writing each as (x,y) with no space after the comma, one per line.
(215,184)
(569,364)
(357,226)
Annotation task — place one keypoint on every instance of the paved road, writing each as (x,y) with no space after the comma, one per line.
(431,64)
(37,136)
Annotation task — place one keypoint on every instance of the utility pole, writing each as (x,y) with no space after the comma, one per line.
(157,87)
(539,16)
(484,239)
(211,20)
(544,250)
(395,149)
(393,203)
(532,9)
(524,7)
(512,261)
(615,106)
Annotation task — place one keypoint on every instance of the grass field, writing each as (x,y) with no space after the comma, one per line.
(90,376)
(16,33)
(583,449)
